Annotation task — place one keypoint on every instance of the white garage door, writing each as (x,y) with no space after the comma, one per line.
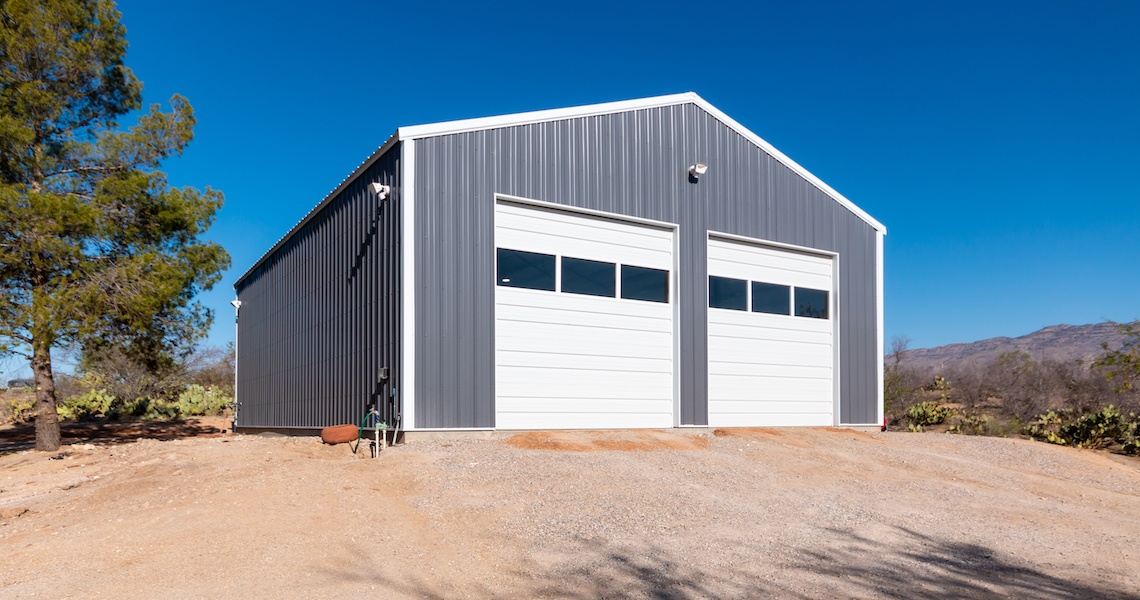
(771,336)
(583,321)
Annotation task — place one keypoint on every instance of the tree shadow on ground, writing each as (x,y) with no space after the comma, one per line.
(914,565)
(16,438)
(909,565)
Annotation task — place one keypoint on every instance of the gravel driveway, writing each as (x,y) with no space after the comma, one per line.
(795,513)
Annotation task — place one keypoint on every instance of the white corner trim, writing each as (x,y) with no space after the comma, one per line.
(880,347)
(538,116)
(408,283)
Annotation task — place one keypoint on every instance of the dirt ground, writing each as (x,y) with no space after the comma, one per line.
(187,511)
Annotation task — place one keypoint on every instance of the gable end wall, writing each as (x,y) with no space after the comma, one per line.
(632,163)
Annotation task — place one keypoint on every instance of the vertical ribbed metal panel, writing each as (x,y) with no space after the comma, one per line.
(631,163)
(320,316)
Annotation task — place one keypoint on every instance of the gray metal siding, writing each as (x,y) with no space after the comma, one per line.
(631,163)
(320,315)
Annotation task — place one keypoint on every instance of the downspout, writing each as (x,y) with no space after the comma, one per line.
(237,310)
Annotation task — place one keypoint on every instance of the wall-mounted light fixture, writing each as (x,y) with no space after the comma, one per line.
(695,171)
(380,190)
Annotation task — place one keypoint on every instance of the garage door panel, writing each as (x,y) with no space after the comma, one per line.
(575,361)
(596,361)
(581,397)
(583,235)
(765,369)
(602,312)
(744,263)
(721,319)
(761,353)
(801,391)
(751,369)
(556,340)
(767,334)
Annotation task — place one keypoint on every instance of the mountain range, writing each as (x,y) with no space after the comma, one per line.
(1064,343)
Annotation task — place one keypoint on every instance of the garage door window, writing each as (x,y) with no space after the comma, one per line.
(725,292)
(530,270)
(811,303)
(589,277)
(771,298)
(643,283)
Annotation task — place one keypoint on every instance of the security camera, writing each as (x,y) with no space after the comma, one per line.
(236,303)
(380,190)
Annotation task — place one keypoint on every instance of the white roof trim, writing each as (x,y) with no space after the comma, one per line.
(466,125)
(539,116)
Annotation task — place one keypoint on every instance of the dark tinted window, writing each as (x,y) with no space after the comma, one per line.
(643,283)
(811,303)
(771,298)
(590,277)
(728,293)
(525,270)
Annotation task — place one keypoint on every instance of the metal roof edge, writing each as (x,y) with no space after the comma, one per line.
(539,116)
(368,162)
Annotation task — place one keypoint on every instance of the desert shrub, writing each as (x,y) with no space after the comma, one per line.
(990,424)
(86,406)
(199,401)
(1098,429)
(928,413)
(21,409)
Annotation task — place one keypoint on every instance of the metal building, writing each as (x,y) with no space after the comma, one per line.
(646,263)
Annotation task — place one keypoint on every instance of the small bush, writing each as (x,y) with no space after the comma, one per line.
(89,405)
(199,401)
(22,410)
(928,413)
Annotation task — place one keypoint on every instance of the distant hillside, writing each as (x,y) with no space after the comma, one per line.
(1057,342)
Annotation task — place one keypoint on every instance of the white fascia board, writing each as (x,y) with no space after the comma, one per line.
(408,283)
(539,116)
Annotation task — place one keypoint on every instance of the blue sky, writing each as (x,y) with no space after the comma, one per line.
(996,140)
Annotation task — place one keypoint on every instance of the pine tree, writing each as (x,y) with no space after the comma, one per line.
(95,245)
